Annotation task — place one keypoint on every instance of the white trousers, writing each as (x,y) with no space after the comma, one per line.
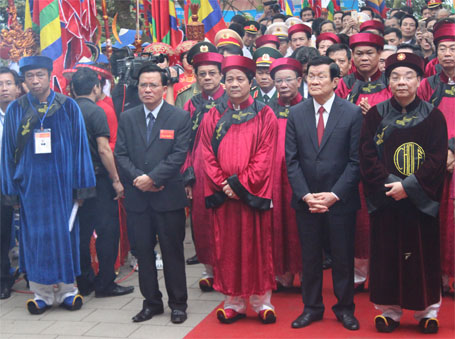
(360,270)
(208,272)
(49,294)
(395,311)
(258,302)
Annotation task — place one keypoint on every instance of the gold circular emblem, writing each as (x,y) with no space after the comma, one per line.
(408,157)
(278,29)
(204,48)
(401,56)
(225,36)
(252,27)
(266,57)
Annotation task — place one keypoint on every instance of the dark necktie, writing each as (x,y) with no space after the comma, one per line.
(320,125)
(151,121)
(266,98)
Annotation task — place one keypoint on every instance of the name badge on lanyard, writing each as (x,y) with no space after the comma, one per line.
(43,141)
(42,136)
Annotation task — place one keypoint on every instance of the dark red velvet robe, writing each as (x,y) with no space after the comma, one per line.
(244,157)
(287,252)
(194,175)
(404,239)
(375,96)
(436,89)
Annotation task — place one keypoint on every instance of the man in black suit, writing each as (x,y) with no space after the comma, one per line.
(151,147)
(322,141)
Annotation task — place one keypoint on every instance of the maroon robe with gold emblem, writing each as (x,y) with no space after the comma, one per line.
(239,146)
(437,91)
(193,175)
(404,253)
(354,87)
(287,253)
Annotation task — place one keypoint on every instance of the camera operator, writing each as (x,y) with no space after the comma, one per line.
(126,66)
(271,8)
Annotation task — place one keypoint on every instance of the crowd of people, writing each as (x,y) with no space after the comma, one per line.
(296,144)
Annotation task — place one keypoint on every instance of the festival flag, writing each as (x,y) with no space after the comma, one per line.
(176,32)
(332,7)
(209,14)
(287,6)
(409,3)
(378,6)
(317,8)
(63,26)
(309,3)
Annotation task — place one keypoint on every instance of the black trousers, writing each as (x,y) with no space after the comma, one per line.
(5,239)
(339,230)
(170,229)
(99,214)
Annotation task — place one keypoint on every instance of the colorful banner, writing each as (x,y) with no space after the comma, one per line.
(209,14)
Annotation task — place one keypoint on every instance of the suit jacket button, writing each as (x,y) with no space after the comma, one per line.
(146,163)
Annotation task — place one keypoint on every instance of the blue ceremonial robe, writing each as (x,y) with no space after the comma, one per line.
(46,185)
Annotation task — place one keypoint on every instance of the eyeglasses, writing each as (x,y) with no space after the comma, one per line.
(444,49)
(406,78)
(287,80)
(313,77)
(152,86)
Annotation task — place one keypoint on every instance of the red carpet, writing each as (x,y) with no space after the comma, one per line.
(288,306)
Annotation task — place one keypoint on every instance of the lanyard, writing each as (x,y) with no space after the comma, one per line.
(48,107)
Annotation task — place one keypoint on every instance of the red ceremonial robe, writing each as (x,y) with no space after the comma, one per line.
(193,174)
(437,91)
(404,253)
(287,253)
(354,87)
(239,146)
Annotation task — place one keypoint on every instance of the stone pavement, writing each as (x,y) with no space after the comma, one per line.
(107,317)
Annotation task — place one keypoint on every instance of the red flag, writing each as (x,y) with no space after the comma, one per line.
(317,8)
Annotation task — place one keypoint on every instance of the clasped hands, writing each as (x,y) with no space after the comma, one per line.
(396,191)
(228,190)
(319,202)
(146,184)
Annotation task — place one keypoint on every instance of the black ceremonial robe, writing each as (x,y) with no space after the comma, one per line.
(409,147)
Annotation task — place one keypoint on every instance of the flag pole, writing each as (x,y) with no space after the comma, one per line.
(137,41)
(106,29)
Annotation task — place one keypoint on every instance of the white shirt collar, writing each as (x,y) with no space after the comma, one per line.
(269,93)
(155,111)
(327,105)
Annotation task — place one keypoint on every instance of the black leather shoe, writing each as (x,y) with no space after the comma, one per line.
(114,291)
(147,313)
(327,263)
(178,316)
(349,321)
(193,260)
(5,292)
(305,319)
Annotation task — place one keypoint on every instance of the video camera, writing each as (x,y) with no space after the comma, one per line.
(274,6)
(126,66)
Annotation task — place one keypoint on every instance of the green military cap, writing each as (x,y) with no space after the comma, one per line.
(264,56)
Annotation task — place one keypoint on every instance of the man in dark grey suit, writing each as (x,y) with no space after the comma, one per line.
(322,142)
(151,147)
